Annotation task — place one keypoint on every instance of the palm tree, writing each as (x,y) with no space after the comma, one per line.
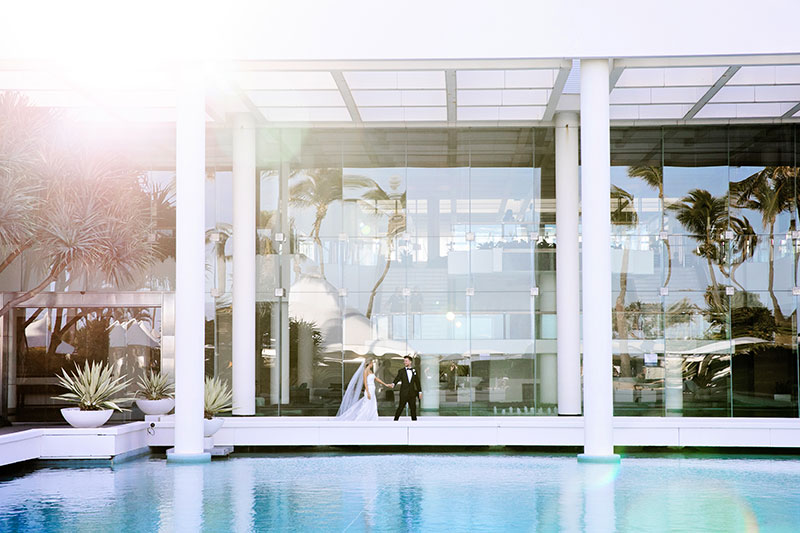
(623,214)
(92,220)
(23,129)
(654,177)
(705,216)
(393,206)
(319,188)
(744,244)
(770,191)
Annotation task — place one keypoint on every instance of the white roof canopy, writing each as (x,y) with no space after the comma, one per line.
(412,93)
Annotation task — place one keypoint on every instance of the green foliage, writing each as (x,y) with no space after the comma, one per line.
(93,387)
(748,318)
(623,212)
(217,397)
(155,386)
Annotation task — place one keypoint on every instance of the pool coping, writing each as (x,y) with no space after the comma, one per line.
(119,442)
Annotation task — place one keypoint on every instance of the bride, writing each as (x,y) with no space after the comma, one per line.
(358,409)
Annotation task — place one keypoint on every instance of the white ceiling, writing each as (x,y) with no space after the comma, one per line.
(428,93)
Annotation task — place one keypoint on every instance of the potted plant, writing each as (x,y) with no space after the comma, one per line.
(156,393)
(94,390)
(217,399)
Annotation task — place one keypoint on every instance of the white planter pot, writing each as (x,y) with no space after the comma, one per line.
(212,426)
(85,419)
(156,407)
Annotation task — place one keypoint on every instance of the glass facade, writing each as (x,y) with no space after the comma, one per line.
(381,244)
(704,260)
(440,244)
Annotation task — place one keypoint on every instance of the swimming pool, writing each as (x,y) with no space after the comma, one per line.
(416,492)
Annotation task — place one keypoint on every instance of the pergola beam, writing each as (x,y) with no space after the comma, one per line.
(558,90)
(714,89)
(347,96)
(452,96)
(795,108)
(399,64)
(708,61)
(614,75)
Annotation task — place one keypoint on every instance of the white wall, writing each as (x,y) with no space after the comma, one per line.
(413,29)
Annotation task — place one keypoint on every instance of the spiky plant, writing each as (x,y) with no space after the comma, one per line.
(155,386)
(93,387)
(217,398)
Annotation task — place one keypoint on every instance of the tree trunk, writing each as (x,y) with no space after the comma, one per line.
(380,280)
(32,317)
(771,286)
(669,263)
(13,255)
(58,332)
(622,322)
(54,273)
(666,241)
(714,287)
(315,232)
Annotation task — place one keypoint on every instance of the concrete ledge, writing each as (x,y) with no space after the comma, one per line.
(493,431)
(66,443)
(20,446)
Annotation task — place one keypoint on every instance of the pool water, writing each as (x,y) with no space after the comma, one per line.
(416,492)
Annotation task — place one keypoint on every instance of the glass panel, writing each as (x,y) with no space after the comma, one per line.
(438,333)
(637,181)
(764,362)
(50,340)
(504,359)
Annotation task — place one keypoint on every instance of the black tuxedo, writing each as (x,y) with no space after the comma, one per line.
(409,390)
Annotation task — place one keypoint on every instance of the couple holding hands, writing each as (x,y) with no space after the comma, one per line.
(365,408)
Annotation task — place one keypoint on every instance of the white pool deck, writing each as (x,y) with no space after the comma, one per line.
(112,442)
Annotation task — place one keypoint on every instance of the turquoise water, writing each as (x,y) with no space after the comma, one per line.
(418,492)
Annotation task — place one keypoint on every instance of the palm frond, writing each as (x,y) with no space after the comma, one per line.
(217,397)
(155,386)
(93,387)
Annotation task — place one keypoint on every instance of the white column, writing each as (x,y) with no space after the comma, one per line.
(568,305)
(598,487)
(595,190)
(190,264)
(244,265)
(187,497)
(429,379)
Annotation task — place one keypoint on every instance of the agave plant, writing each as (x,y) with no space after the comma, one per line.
(218,397)
(93,387)
(155,386)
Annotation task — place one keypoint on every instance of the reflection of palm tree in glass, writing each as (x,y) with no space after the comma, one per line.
(654,177)
(705,216)
(623,214)
(744,244)
(318,188)
(770,192)
(393,206)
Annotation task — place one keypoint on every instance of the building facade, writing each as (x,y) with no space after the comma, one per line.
(304,214)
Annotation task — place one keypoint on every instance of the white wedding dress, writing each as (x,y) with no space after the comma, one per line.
(364,409)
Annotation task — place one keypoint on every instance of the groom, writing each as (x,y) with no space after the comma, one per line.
(410,388)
